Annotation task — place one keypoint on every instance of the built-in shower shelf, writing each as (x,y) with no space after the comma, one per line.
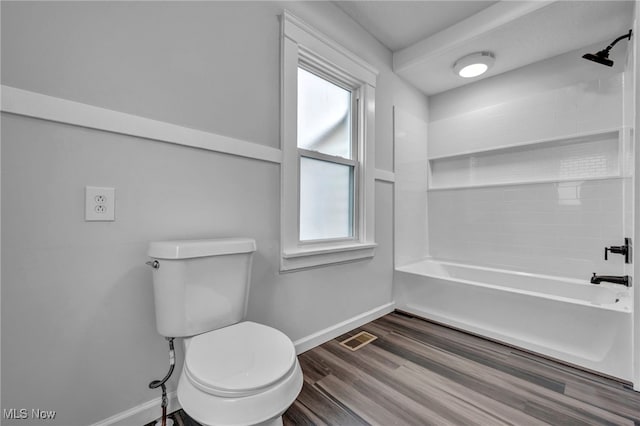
(599,155)
(515,183)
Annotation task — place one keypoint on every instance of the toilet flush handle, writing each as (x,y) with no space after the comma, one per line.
(155,264)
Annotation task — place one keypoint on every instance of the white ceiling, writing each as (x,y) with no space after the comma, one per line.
(399,24)
(427,37)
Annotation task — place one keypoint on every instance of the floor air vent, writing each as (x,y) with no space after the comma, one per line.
(359,340)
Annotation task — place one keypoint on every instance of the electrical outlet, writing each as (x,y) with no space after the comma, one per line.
(100,204)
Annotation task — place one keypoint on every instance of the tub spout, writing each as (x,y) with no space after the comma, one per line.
(623,280)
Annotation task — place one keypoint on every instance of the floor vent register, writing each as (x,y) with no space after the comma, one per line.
(358,341)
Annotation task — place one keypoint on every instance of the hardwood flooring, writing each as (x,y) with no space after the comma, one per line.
(421,373)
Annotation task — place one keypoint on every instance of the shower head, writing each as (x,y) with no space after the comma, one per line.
(602,57)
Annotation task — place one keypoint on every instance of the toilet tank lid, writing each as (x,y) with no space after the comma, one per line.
(184,249)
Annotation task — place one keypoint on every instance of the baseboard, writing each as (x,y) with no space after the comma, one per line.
(142,414)
(334,331)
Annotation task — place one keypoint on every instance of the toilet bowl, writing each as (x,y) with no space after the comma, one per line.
(235,372)
(243,374)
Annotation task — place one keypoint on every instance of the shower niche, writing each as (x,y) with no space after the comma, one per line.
(598,155)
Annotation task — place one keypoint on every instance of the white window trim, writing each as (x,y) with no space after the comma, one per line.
(302,43)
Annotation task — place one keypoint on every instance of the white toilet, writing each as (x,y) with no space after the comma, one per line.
(235,372)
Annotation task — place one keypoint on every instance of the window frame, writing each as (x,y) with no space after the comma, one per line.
(304,47)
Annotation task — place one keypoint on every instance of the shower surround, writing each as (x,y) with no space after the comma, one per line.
(519,187)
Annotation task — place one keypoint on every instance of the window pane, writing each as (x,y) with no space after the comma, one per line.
(326,200)
(324,116)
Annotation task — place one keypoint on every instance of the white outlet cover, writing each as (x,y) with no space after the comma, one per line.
(100,204)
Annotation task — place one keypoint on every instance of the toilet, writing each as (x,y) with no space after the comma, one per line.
(235,372)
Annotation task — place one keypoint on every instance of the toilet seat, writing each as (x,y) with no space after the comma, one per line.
(239,360)
(243,374)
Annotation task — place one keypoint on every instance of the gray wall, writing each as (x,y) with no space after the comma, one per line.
(78,330)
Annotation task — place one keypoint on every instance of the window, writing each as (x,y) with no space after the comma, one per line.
(328,100)
(326,152)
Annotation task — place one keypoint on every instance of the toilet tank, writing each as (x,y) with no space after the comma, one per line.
(200,285)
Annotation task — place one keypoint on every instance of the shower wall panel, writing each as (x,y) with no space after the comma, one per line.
(410,155)
(579,108)
(550,228)
(546,224)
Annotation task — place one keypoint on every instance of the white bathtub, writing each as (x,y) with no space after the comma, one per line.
(572,320)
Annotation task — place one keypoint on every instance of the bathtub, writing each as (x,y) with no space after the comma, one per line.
(568,319)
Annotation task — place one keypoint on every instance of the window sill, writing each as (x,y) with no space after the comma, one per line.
(311,257)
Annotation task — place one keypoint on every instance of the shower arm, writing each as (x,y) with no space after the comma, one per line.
(613,43)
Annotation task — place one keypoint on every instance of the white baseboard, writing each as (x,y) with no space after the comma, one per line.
(142,414)
(334,331)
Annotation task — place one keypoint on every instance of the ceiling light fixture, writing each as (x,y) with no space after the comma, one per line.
(474,65)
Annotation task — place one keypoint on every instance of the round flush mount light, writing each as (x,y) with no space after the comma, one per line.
(474,65)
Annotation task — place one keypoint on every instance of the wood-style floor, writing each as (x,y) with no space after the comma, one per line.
(421,373)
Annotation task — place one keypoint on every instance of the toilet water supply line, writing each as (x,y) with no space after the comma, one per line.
(157,383)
